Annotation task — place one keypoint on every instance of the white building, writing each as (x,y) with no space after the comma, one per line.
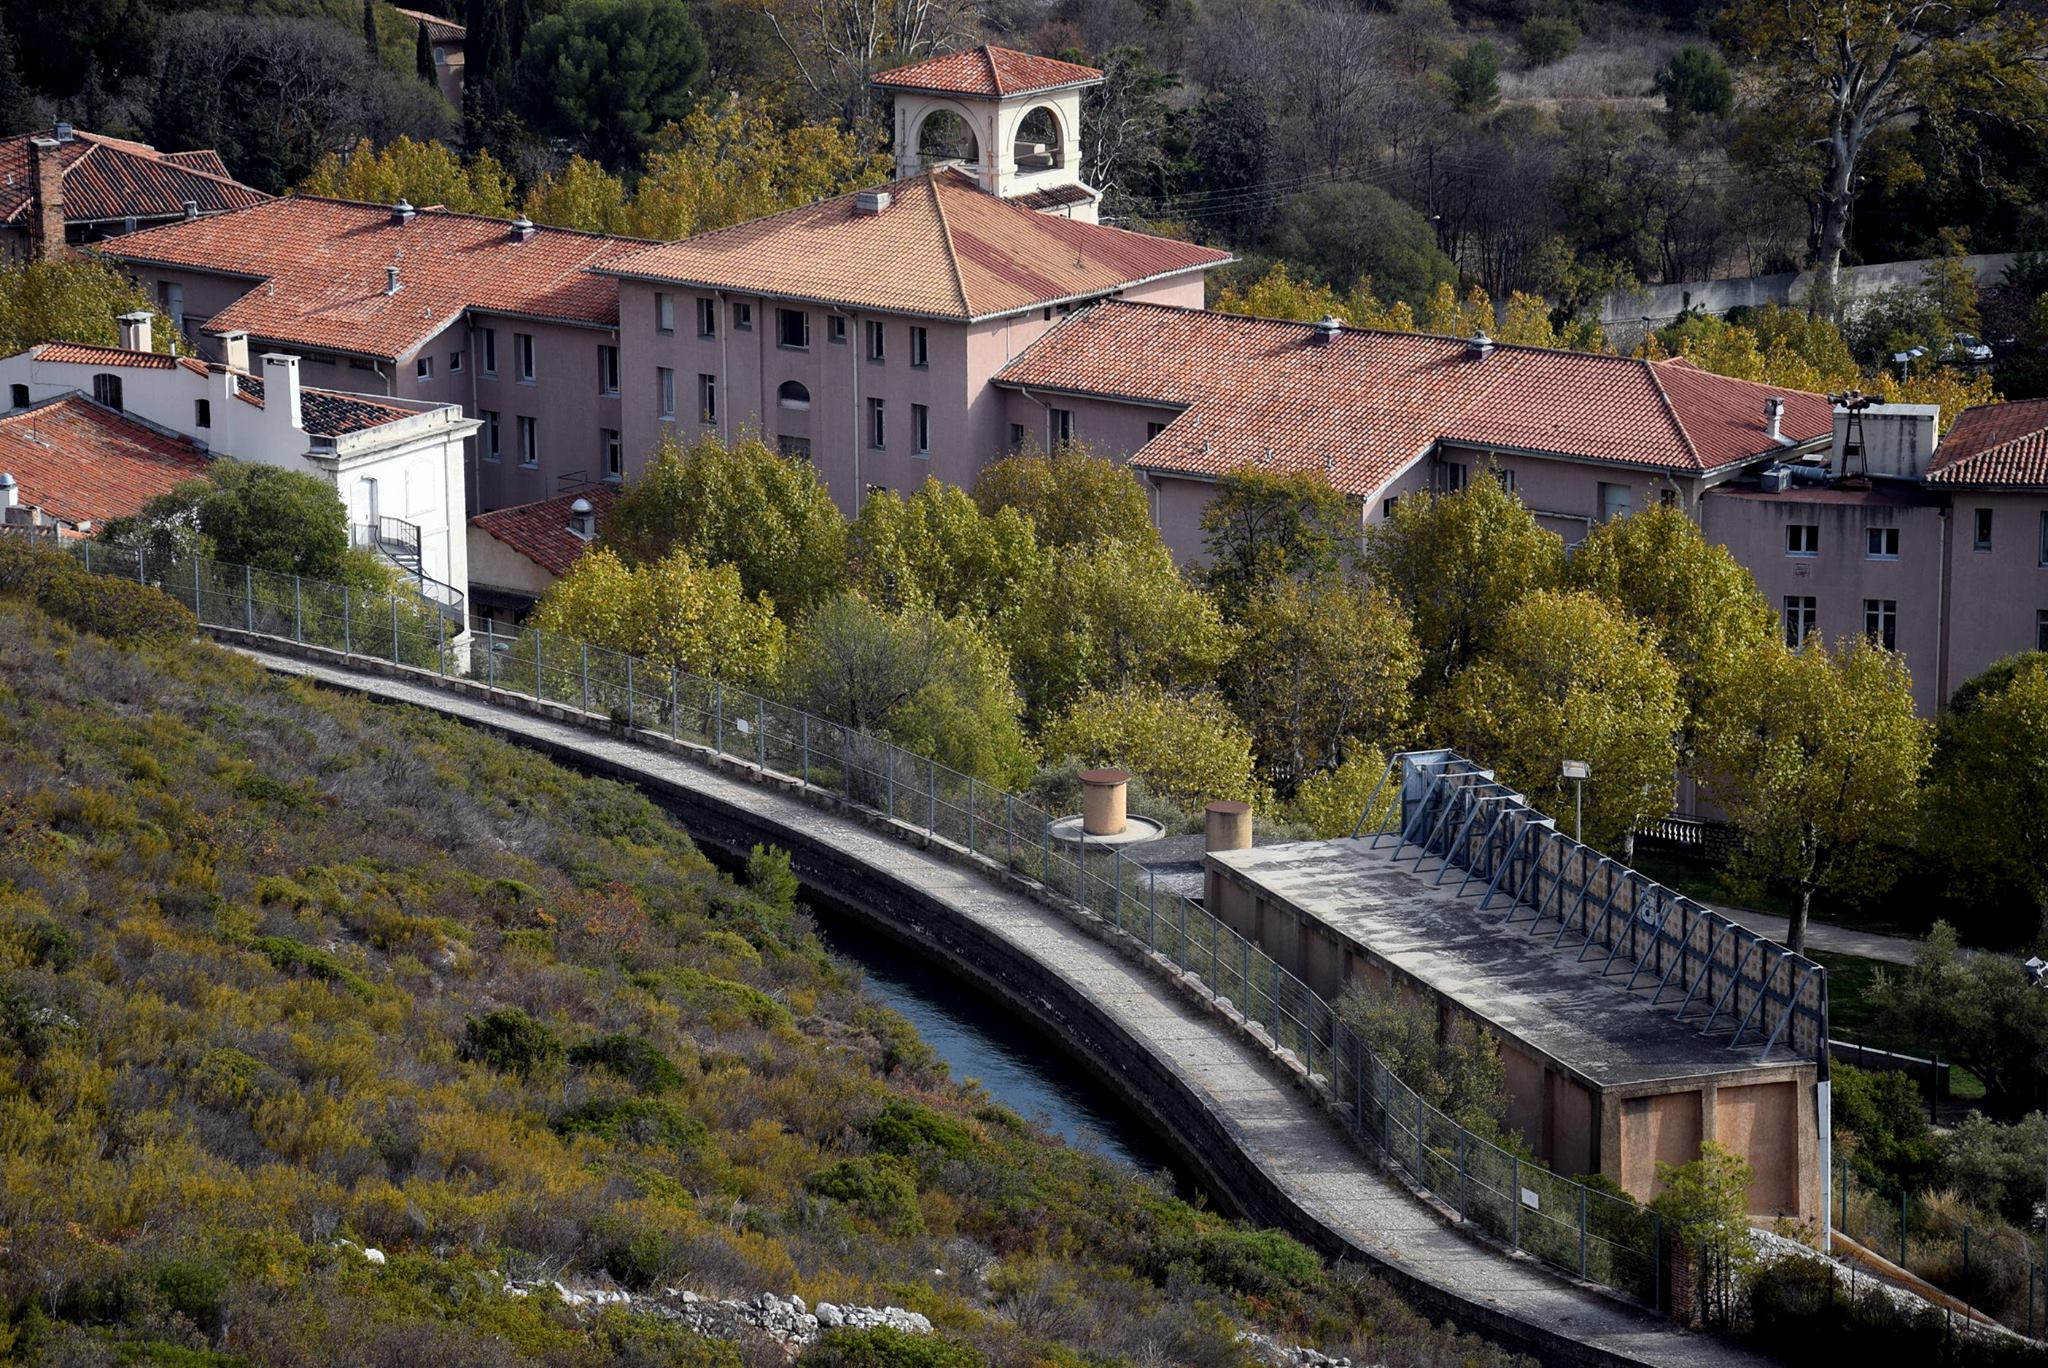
(396,463)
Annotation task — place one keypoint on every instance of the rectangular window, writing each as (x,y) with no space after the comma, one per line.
(793,329)
(1152,430)
(1802,539)
(490,341)
(1506,478)
(707,317)
(920,347)
(920,430)
(423,368)
(607,370)
(1454,476)
(878,349)
(1881,543)
(18,395)
(707,398)
(742,314)
(489,434)
(1800,612)
(529,441)
(202,413)
(1982,540)
(1017,435)
(614,453)
(794,448)
(837,331)
(665,391)
(1881,622)
(106,389)
(172,297)
(1616,501)
(2043,548)
(1059,428)
(522,356)
(878,424)
(665,312)
(1387,507)
(455,363)
(2041,629)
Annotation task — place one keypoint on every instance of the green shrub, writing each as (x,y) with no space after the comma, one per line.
(882,1347)
(509,1041)
(638,1120)
(878,1188)
(632,1058)
(1886,1121)
(298,957)
(1545,39)
(192,1289)
(905,1128)
(117,609)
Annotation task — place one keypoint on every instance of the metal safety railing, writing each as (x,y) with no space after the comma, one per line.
(1582,1229)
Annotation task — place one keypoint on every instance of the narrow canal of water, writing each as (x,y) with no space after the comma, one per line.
(981,1039)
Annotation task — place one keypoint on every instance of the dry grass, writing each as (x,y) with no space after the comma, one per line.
(1615,71)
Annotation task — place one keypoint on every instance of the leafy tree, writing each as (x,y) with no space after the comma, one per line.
(1190,750)
(1987,788)
(1696,86)
(1569,677)
(1816,758)
(930,683)
(72,299)
(1354,230)
(510,1041)
(15,109)
(1705,1206)
(1840,74)
(1457,563)
(1886,1124)
(739,162)
(1475,78)
(1263,527)
(1546,38)
(767,515)
(1998,1168)
(938,546)
(1702,603)
(1109,616)
(1277,294)
(1331,802)
(605,74)
(581,195)
(1323,669)
(1456,1068)
(1231,146)
(288,522)
(1123,126)
(423,57)
(421,172)
(676,611)
(1979,1010)
(1072,497)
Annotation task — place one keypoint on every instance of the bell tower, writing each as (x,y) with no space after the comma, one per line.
(1010,120)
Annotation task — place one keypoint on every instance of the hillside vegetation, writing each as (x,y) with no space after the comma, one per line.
(286,976)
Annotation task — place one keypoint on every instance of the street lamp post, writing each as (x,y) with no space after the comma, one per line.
(1578,771)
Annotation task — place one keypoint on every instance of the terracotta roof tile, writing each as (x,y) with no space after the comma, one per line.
(989,71)
(439,30)
(943,247)
(540,531)
(80,354)
(109,179)
(77,461)
(1367,403)
(320,265)
(322,412)
(1995,444)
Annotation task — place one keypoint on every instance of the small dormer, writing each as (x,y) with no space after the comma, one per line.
(1009,119)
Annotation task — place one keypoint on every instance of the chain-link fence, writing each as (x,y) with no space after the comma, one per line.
(1585,1230)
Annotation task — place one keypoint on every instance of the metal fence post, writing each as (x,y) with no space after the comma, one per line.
(441,644)
(718,716)
(1515,1201)
(248,598)
(539,640)
(970,813)
(1464,1173)
(761,731)
(631,719)
(1116,893)
(1010,826)
(1421,1175)
(298,633)
(675,705)
(348,624)
(141,559)
(1186,952)
(198,606)
(803,726)
(1657,1260)
(931,795)
(1152,910)
(889,779)
(394,629)
(1045,869)
(583,671)
(1582,1230)
(1902,1227)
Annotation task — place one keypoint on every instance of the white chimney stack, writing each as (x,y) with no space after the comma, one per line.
(10,493)
(391,285)
(1328,330)
(582,519)
(135,331)
(1774,418)
(281,389)
(235,350)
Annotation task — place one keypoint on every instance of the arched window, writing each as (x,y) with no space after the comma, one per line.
(792,395)
(1038,142)
(945,137)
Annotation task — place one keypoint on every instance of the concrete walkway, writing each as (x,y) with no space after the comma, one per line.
(1820,935)
(1297,1147)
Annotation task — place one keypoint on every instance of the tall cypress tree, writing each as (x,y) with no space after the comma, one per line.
(15,113)
(370,29)
(423,58)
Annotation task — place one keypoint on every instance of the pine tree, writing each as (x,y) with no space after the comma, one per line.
(15,113)
(370,28)
(423,58)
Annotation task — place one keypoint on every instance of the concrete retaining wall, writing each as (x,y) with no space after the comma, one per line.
(1662,303)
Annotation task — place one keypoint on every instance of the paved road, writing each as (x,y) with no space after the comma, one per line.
(1287,1137)
(1820,935)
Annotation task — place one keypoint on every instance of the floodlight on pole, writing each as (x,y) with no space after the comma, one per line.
(1578,771)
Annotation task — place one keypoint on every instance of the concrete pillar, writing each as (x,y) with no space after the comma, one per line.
(1102,801)
(1227,826)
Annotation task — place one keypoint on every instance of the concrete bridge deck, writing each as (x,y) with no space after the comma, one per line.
(1247,1126)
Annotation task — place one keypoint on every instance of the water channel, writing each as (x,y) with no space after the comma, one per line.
(979,1039)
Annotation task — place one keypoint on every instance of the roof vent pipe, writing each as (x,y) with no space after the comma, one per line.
(402,212)
(1774,418)
(1480,344)
(10,494)
(582,519)
(871,201)
(191,210)
(522,228)
(391,285)
(1327,331)
(66,133)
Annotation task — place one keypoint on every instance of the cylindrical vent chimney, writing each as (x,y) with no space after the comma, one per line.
(391,285)
(10,493)
(1102,801)
(1774,418)
(1227,826)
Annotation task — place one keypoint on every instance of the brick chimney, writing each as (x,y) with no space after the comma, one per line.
(46,201)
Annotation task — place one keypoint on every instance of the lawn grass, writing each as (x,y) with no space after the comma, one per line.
(1710,883)
(1854,1017)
